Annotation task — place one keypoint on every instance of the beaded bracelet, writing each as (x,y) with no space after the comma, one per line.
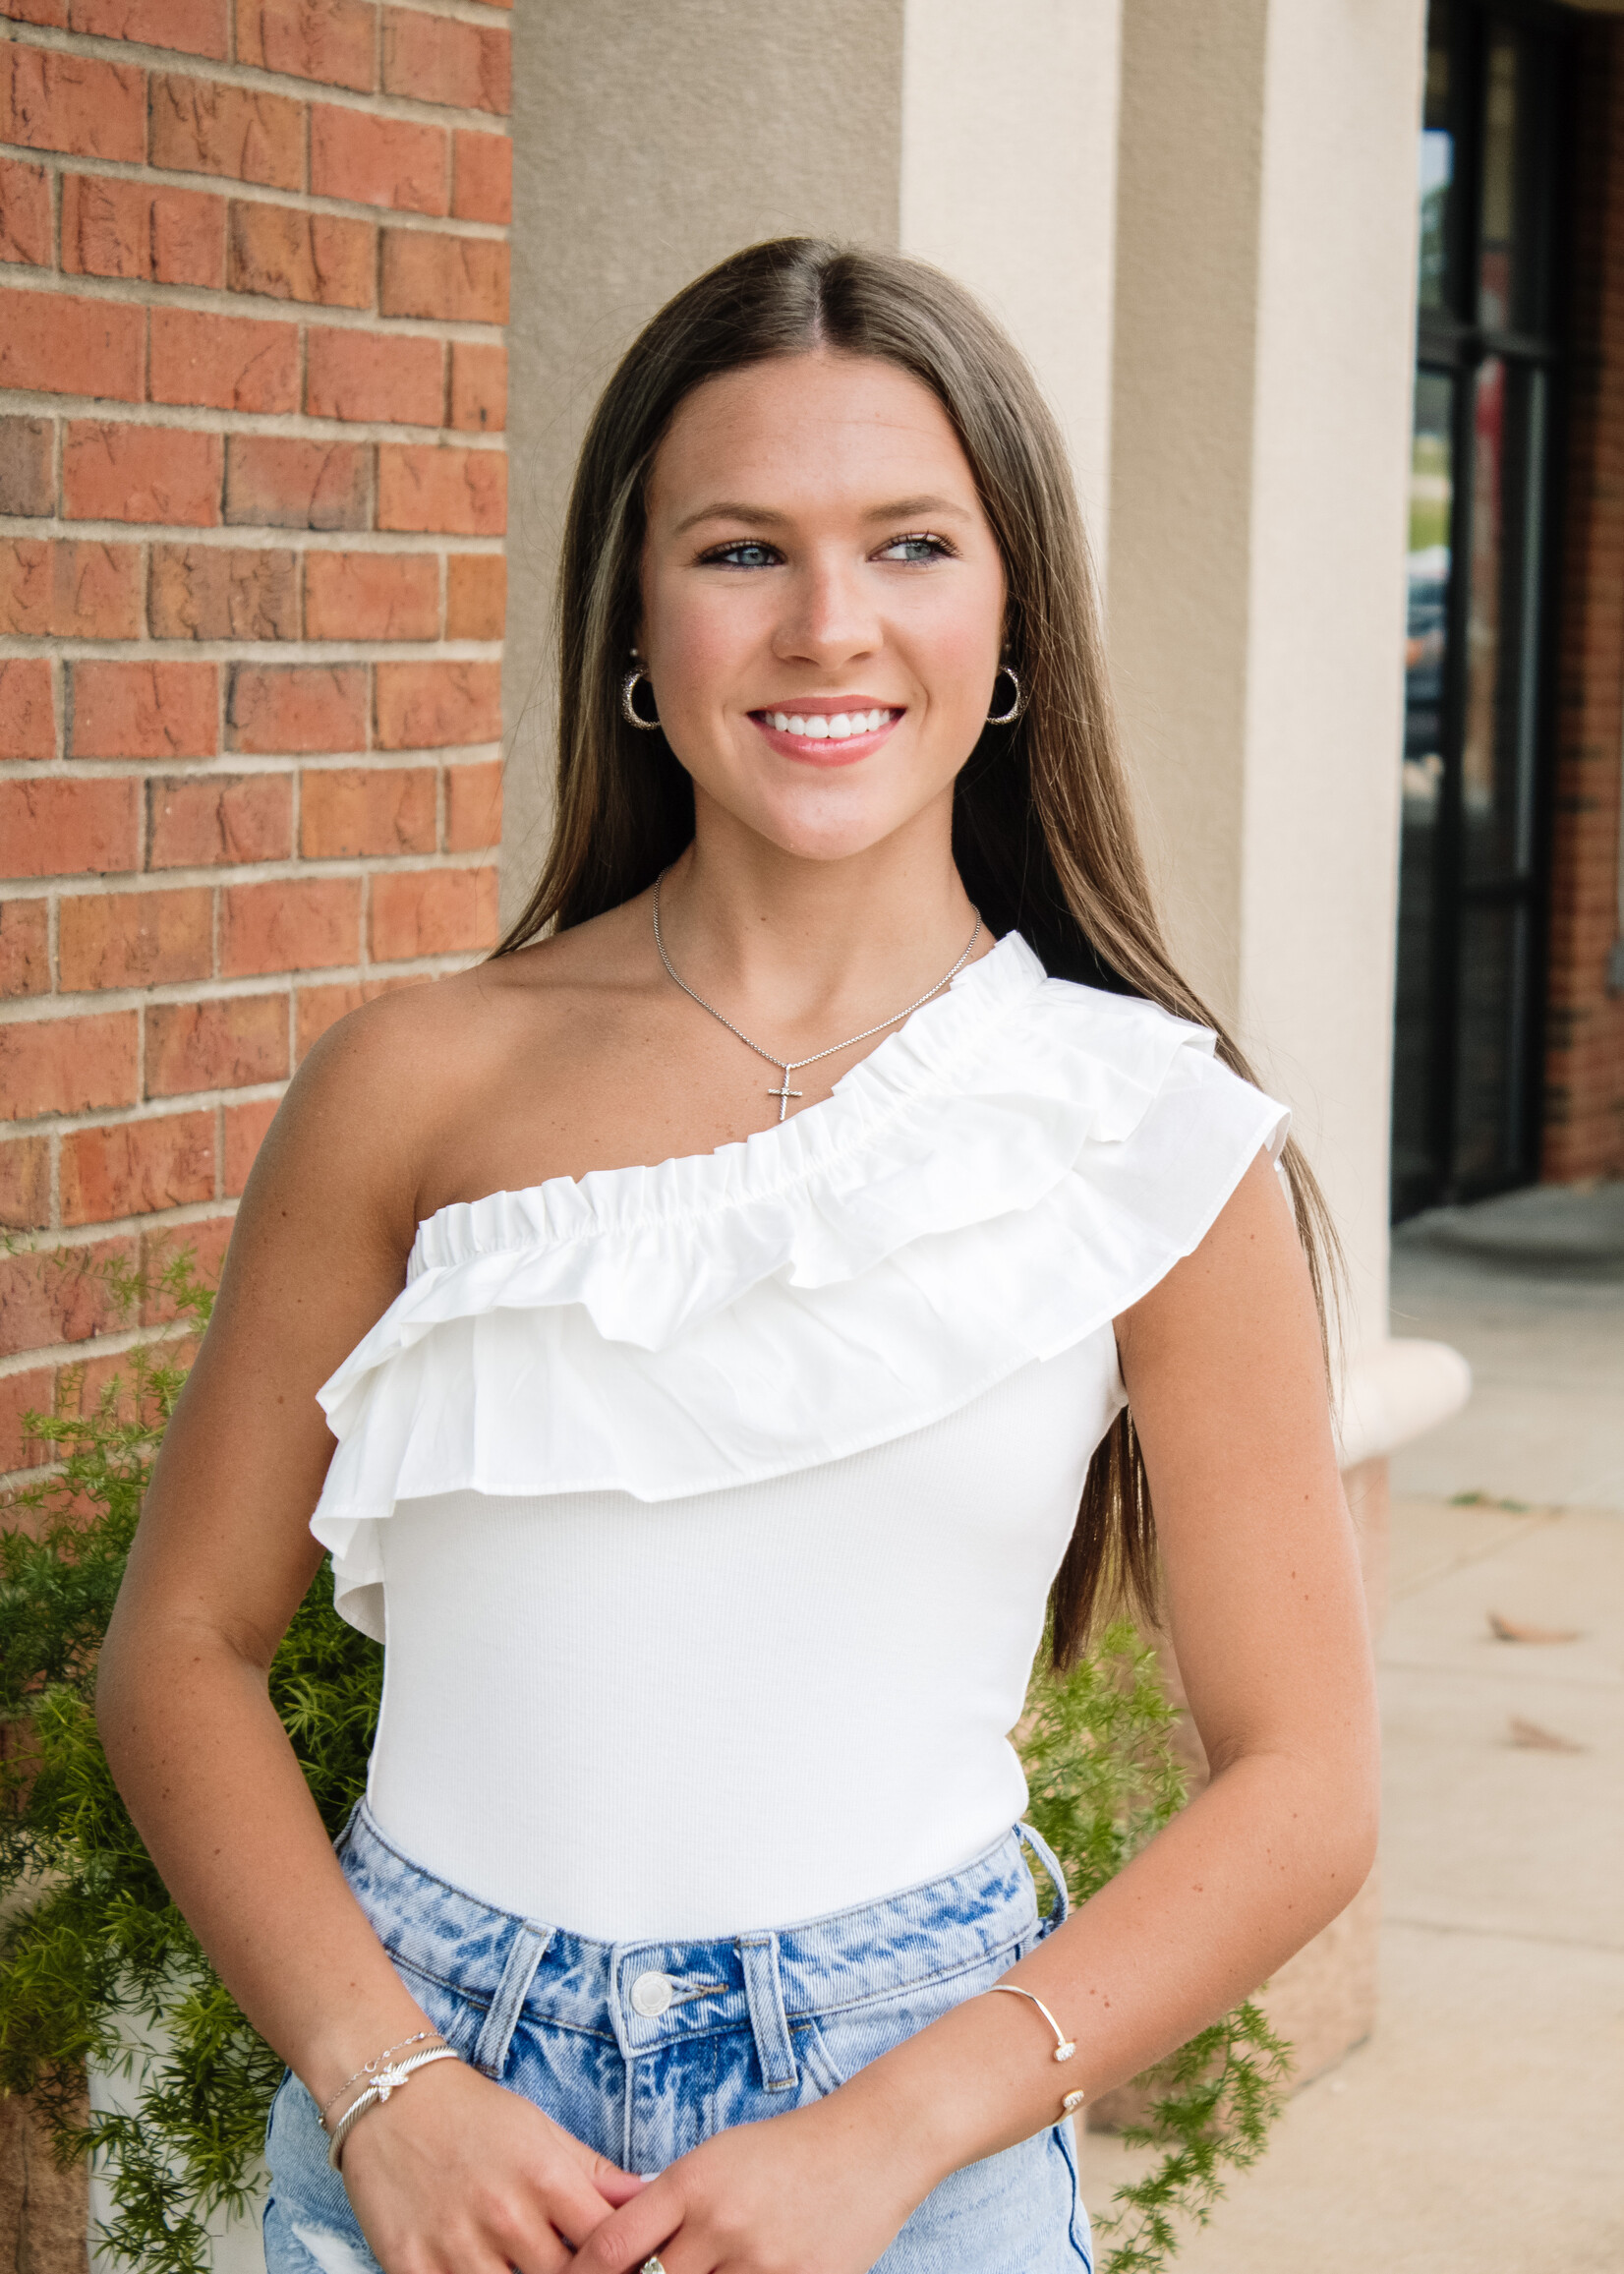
(379,2092)
(1064,2048)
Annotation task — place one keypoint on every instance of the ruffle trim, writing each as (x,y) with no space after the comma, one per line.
(1012,1169)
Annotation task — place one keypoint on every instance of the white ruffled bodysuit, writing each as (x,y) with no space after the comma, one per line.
(708,1512)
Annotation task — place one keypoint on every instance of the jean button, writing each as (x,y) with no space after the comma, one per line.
(651,1993)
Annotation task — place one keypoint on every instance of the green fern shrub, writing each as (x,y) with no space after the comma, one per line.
(98,1967)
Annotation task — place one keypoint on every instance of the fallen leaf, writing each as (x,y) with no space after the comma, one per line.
(1540,1740)
(1518,1630)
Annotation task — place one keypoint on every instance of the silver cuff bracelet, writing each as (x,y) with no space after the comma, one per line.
(382,2084)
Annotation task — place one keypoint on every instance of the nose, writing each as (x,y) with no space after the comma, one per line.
(830,617)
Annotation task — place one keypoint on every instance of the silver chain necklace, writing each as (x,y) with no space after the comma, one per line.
(788,1066)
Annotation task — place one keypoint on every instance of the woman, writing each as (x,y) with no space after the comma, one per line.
(712,1507)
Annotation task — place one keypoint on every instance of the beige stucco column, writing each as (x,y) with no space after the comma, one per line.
(1008,181)
(1265,264)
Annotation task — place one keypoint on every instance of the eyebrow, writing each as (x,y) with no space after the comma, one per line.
(765,517)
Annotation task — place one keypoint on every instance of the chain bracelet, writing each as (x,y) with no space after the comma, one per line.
(369,2069)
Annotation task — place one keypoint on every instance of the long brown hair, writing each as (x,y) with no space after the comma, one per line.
(1043,829)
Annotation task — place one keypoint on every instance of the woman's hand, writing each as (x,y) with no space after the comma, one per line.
(467,2177)
(816,2190)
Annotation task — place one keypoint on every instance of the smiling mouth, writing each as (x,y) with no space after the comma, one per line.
(828,726)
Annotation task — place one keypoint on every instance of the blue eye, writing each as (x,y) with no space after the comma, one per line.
(748,553)
(916,550)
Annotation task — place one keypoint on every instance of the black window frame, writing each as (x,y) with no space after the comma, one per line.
(1454,341)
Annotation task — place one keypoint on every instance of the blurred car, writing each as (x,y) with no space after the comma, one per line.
(1425,647)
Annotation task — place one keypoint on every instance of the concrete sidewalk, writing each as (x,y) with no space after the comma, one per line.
(1530,1289)
(1480,2123)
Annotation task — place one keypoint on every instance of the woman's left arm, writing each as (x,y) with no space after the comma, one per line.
(1266,1611)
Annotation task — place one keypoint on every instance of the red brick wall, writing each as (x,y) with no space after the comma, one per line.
(253,280)
(1585,1057)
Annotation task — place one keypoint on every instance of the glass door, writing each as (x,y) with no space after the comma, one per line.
(1467,1042)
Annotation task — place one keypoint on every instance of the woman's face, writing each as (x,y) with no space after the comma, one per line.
(823,601)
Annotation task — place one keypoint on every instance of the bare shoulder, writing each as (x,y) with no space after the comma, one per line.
(351,1125)
(533,992)
(392,1106)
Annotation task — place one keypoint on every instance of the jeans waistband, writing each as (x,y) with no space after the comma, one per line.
(648,1993)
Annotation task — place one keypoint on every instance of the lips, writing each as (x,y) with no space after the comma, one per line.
(828,734)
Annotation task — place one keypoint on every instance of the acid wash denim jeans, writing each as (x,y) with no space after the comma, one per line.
(642,2050)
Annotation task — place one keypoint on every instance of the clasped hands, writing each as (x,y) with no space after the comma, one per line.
(464,2176)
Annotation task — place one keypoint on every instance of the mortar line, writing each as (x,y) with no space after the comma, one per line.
(300,425)
(225,766)
(212,300)
(114,1002)
(93,167)
(319,653)
(254,79)
(244,534)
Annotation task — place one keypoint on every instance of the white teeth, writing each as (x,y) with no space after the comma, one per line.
(823,728)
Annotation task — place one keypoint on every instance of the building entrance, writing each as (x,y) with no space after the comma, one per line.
(1466,1120)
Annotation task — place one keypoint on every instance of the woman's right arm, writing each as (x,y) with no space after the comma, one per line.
(456,2172)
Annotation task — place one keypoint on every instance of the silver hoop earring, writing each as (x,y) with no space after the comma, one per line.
(629,701)
(1018,704)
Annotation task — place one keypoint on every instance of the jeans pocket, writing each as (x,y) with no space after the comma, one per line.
(458,2018)
(812,2059)
(839,2041)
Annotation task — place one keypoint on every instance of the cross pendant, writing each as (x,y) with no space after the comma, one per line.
(784,1094)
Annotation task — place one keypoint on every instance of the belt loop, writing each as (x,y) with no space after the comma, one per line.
(1050,1863)
(759,1958)
(524,1955)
